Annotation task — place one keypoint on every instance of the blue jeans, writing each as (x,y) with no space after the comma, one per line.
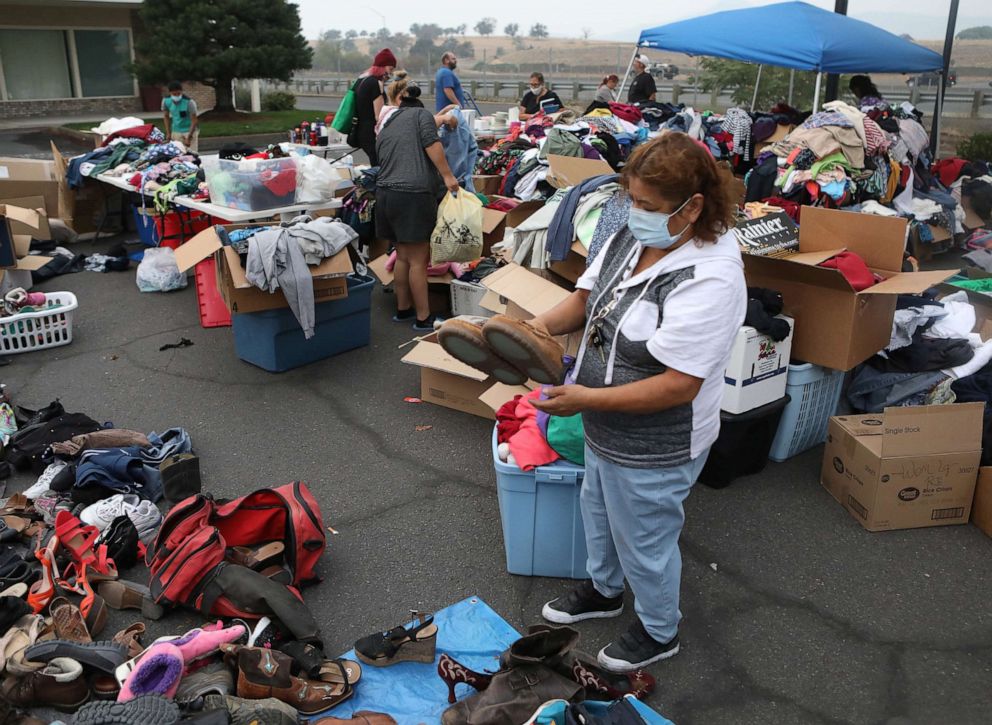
(633,518)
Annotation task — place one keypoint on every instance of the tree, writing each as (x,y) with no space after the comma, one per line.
(216,41)
(364,33)
(586,33)
(351,34)
(460,30)
(486,26)
(717,74)
(539,30)
(512,29)
(982,32)
(426,31)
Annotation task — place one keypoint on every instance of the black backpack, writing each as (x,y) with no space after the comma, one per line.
(28,447)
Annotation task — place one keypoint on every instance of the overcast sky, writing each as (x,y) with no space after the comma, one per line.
(923,19)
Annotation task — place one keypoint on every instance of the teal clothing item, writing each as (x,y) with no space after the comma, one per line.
(567,437)
(181,113)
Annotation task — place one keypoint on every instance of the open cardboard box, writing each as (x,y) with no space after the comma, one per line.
(495,222)
(444,381)
(240,296)
(907,468)
(837,327)
(17,227)
(438,288)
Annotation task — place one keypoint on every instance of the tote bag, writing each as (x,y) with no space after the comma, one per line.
(458,234)
(344,117)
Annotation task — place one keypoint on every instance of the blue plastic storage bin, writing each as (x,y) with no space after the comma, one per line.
(814,394)
(273,339)
(542,524)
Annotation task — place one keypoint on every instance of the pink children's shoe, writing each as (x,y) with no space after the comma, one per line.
(159,671)
(199,643)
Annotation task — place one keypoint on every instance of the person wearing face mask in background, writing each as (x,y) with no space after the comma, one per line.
(659,308)
(530,104)
(369,99)
(181,122)
(447,87)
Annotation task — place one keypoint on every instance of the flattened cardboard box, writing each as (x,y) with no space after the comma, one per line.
(907,468)
(837,327)
(240,296)
(14,247)
(981,507)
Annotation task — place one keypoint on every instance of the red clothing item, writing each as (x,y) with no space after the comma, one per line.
(854,269)
(528,445)
(141,132)
(282,183)
(507,423)
(949,170)
(503,204)
(791,208)
(631,114)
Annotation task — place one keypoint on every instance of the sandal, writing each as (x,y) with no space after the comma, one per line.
(16,590)
(400,644)
(42,591)
(79,540)
(68,621)
(19,505)
(25,635)
(130,637)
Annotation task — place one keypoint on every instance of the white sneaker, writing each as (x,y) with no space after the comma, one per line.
(102,513)
(146,519)
(43,484)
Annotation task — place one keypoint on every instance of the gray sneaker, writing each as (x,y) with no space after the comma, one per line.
(635,650)
(268,710)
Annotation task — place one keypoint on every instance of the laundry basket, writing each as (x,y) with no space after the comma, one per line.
(50,327)
(814,394)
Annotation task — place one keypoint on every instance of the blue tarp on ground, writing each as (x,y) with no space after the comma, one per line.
(794,35)
(411,692)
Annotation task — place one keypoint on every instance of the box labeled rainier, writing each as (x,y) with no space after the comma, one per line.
(907,468)
(837,327)
(757,371)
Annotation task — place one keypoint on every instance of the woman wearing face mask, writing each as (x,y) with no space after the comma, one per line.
(660,307)
(530,104)
(369,99)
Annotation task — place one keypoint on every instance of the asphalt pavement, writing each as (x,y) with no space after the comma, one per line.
(793,613)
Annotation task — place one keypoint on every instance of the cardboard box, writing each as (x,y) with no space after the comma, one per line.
(566,171)
(487,184)
(757,371)
(17,227)
(837,327)
(908,468)
(574,265)
(329,277)
(981,507)
(21,178)
(453,384)
(495,222)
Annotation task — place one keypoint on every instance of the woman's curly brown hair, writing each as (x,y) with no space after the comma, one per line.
(677,167)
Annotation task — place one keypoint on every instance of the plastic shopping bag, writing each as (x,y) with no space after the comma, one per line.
(316,180)
(458,234)
(159,272)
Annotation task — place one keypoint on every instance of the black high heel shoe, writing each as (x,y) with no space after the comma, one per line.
(415,643)
(453,672)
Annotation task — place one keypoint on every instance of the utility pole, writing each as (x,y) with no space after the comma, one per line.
(833,80)
(938,106)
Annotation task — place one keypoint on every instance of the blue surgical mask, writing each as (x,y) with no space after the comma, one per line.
(650,228)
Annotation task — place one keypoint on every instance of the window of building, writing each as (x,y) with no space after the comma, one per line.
(35,64)
(103,57)
(59,64)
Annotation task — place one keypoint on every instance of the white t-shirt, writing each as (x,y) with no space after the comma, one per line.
(698,323)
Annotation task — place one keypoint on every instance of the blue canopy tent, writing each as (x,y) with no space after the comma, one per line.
(793,35)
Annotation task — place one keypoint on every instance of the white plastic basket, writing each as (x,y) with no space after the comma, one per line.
(51,327)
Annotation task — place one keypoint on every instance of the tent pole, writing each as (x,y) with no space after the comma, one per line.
(630,65)
(938,108)
(757,82)
(792,83)
(816,93)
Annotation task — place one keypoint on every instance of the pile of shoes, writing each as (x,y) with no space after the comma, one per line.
(542,666)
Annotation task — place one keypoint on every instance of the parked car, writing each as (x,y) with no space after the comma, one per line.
(926,80)
(664,70)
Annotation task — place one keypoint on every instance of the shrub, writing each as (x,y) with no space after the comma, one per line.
(976,148)
(278,101)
